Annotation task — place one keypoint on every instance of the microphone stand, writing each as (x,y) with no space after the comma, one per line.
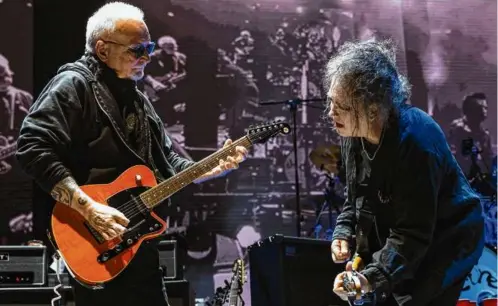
(293,104)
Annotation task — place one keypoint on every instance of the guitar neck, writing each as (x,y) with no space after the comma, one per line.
(166,189)
(233,299)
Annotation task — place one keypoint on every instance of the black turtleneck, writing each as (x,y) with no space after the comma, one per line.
(125,93)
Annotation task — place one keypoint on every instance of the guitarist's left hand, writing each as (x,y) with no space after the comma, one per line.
(232,162)
(358,277)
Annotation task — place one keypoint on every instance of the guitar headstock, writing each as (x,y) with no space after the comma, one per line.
(239,273)
(262,132)
(351,281)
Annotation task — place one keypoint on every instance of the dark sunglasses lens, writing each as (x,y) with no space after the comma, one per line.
(150,47)
(140,50)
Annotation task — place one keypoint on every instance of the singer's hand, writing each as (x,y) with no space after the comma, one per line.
(340,250)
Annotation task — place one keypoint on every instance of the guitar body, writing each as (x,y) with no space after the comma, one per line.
(91,259)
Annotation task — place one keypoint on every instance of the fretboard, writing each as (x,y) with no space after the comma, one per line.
(166,189)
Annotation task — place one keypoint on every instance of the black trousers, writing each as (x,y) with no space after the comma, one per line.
(140,283)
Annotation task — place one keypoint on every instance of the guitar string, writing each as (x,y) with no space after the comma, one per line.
(130,207)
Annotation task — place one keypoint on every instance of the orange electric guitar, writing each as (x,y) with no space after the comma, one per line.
(92,260)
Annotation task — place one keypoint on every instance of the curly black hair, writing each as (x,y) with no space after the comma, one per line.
(367,72)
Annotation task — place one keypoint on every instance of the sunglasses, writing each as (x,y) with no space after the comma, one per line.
(137,50)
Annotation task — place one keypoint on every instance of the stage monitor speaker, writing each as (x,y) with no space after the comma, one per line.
(288,271)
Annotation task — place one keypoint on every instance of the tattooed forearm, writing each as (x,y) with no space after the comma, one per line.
(67,191)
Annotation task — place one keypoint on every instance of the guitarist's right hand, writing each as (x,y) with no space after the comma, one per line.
(340,250)
(106,220)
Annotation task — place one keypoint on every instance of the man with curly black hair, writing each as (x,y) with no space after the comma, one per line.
(417,222)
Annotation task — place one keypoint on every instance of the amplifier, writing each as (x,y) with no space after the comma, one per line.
(22,265)
(289,271)
(168,260)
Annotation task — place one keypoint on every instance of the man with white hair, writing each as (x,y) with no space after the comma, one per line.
(88,125)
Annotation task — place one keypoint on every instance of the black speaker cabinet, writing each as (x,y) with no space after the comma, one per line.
(180,293)
(289,271)
(168,262)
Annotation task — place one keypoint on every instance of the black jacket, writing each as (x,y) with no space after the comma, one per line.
(75,128)
(428,220)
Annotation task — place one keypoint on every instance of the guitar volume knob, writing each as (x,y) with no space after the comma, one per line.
(129,241)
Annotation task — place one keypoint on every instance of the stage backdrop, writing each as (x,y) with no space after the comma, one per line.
(215,62)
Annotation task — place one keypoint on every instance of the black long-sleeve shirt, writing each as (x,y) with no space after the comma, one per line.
(428,219)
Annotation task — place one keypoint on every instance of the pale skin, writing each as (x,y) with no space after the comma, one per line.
(110,222)
(369,127)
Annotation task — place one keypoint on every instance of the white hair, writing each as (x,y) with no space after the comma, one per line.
(104,20)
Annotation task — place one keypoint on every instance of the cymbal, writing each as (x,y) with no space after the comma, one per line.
(326,157)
